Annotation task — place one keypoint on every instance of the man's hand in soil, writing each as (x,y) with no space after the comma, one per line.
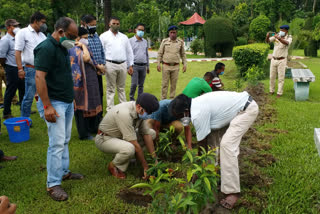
(50,114)
(6,207)
(145,175)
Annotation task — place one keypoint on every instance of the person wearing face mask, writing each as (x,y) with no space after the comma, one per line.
(25,42)
(8,61)
(169,54)
(86,87)
(55,105)
(278,65)
(213,111)
(123,131)
(141,60)
(198,86)
(217,84)
(119,61)
(162,119)
(96,47)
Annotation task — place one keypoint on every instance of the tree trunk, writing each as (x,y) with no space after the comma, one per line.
(314,6)
(107,13)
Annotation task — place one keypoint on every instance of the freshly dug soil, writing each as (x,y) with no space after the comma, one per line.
(135,196)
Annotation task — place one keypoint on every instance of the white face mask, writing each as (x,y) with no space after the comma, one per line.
(185,120)
(282,34)
(16,30)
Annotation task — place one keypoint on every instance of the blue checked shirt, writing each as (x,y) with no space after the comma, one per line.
(97,49)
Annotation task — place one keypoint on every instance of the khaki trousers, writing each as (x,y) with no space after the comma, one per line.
(124,151)
(277,66)
(229,148)
(178,127)
(116,75)
(169,73)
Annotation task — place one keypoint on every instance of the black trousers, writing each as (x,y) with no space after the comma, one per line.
(1,154)
(86,125)
(100,88)
(13,83)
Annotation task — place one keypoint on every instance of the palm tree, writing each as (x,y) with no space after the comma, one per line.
(107,13)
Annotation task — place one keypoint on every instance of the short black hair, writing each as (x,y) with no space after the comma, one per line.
(114,18)
(83,17)
(140,24)
(219,65)
(179,105)
(89,18)
(37,16)
(209,75)
(64,23)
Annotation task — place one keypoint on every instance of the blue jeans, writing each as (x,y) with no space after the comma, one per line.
(59,137)
(30,90)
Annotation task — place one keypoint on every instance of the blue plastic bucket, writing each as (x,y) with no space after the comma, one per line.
(18,129)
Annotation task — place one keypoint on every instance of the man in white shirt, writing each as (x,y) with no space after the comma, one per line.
(119,60)
(213,111)
(26,40)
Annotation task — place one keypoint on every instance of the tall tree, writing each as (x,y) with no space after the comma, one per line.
(107,13)
(314,6)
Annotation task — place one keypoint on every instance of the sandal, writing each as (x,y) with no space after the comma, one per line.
(57,193)
(230,201)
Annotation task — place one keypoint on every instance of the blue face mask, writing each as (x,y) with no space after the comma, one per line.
(140,33)
(144,116)
(222,73)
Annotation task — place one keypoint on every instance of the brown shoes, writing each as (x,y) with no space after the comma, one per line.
(8,158)
(116,172)
(57,193)
(72,176)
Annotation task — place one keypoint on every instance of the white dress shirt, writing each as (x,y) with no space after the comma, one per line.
(26,41)
(117,47)
(215,110)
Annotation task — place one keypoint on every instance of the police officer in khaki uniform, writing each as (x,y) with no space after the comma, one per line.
(124,129)
(278,65)
(169,54)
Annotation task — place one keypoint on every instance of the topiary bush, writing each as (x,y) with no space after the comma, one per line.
(196,46)
(259,28)
(241,41)
(246,56)
(219,36)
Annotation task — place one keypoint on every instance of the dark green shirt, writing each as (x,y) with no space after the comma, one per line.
(52,58)
(196,87)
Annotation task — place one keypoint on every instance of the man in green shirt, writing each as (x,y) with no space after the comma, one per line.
(55,87)
(198,86)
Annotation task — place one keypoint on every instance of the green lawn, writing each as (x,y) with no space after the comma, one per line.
(295,187)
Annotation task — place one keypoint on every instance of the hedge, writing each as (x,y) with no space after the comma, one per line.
(246,56)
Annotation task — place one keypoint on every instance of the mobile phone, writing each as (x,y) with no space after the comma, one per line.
(272,33)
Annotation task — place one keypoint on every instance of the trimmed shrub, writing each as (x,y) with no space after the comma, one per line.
(259,28)
(196,46)
(219,36)
(130,35)
(247,56)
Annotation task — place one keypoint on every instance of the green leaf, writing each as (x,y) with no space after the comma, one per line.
(207,182)
(192,191)
(189,174)
(141,185)
(189,156)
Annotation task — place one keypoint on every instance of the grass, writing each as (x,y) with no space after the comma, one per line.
(295,175)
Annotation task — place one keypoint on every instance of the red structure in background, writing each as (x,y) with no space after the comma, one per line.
(195,19)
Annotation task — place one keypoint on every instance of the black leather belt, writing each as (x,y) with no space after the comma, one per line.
(140,64)
(247,103)
(115,62)
(278,58)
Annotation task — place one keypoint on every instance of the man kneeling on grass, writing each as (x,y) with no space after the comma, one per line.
(214,111)
(124,129)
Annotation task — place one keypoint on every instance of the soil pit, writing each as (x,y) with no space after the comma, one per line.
(135,196)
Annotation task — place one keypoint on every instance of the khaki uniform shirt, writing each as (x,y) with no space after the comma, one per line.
(171,51)
(122,121)
(280,49)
